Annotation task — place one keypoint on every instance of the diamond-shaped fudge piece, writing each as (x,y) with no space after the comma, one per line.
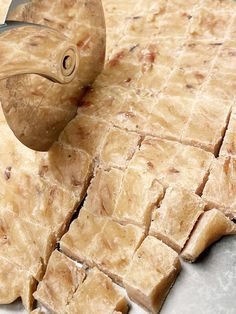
(139,193)
(16,283)
(77,241)
(97,295)
(173,163)
(60,282)
(113,248)
(211,227)
(229,143)
(103,192)
(151,274)
(220,189)
(174,220)
(214,116)
(118,148)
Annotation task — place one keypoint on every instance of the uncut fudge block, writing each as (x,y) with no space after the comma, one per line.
(28,245)
(168,117)
(60,282)
(213,116)
(220,189)
(173,163)
(151,274)
(174,220)
(85,133)
(16,283)
(139,193)
(118,148)
(103,192)
(97,295)
(38,201)
(211,227)
(77,241)
(229,143)
(113,248)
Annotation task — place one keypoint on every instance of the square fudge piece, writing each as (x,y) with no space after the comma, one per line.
(139,193)
(16,283)
(209,24)
(60,282)
(134,112)
(68,167)
(82,232)
(229,143)
(214,116)
(103,192)
(85,133)
(198,55)
(97,295)
(220,189)
(226,59)
(102,102)
(184,82)
(113,248)
(169,117)
(174,164)
(118,148)
(211,227)
(39,201)
(151,274)
(174,220)
(28,245)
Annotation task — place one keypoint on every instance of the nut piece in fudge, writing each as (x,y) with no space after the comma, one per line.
(103,192)
(220,189)
(60,282)
(77,241)
(119,147)
(140,192)
(152,273)
(211,227)
(174,220)
(113,248)
(16,283)
(97,295)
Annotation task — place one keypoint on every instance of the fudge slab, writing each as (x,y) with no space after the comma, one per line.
(152,273)
(174,220)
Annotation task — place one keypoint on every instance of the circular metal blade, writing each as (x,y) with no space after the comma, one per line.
(36,109)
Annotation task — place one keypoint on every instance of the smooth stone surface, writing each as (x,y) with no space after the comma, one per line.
(206,287)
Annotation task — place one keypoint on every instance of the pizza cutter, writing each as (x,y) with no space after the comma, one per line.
(50,52)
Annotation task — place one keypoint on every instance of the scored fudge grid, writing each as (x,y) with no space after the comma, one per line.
(153,121)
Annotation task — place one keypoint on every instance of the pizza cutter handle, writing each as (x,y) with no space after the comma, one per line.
(35,49)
